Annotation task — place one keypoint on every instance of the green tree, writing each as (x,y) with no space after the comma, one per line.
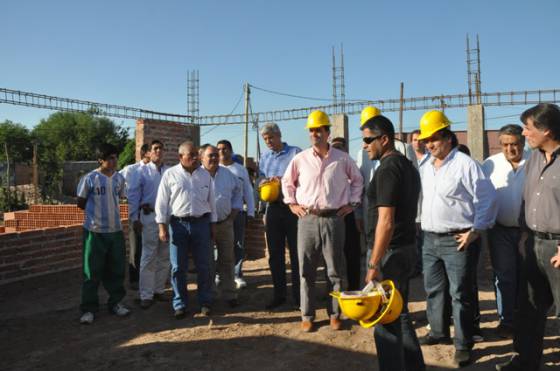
(19,142)
(69,136)
(128,154)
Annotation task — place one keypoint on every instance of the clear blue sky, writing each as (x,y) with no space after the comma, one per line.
(137,53)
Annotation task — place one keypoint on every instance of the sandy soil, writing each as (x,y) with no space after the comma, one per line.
(39,329)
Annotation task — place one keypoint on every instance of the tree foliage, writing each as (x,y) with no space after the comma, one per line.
(128,154)
(19,141)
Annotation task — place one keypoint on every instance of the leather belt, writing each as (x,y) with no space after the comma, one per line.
(190,219)
(546,235)
(322,212)
(451,233)
(506,226)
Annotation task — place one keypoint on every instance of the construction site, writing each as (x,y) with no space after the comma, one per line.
(41,242)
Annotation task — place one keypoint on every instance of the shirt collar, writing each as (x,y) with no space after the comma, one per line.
(447,158)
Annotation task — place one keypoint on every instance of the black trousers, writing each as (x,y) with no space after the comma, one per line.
(352,252)
(134,272)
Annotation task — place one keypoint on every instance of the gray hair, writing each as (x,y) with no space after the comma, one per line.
(512,129)
(270,128)
(183,147)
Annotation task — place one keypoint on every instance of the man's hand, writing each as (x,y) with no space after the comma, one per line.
(298,210)
(360,225)
(371,275)
(522,243)
(465,239)
(137,226)
(555,260)
(163,232)
(344,210)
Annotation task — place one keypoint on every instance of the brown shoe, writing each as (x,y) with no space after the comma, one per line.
(306,326)
(336,324)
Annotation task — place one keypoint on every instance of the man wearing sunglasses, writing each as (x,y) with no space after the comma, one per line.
(391,234)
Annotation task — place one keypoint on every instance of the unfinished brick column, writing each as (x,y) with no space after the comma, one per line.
(171,134)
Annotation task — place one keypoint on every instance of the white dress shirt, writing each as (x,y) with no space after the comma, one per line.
(457,195)
(227,192)
(143,190)
(248,194)
(509,187)
(184,194)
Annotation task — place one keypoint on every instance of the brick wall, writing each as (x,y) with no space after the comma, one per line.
(171,134)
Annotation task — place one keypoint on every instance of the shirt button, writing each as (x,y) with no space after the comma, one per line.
(534,210)
(542,178)
(538,193)
(534,226)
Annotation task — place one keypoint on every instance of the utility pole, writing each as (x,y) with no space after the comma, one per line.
(401,109)
(247,97)
(35,173)
(8,193)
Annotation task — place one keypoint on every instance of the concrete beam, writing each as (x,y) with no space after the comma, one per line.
(476,137)
(339,126)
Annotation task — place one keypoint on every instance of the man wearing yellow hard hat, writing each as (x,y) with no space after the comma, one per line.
(321,185)
(458,204)
(391,235)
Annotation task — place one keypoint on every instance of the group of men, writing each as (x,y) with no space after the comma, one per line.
(433,201)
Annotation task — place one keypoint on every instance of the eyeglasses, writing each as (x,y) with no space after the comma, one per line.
(369,140)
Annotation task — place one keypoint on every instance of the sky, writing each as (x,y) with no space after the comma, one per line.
(137,53)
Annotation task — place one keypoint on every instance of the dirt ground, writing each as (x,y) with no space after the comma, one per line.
(39,329)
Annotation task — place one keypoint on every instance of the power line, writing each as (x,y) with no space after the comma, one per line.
(234,108)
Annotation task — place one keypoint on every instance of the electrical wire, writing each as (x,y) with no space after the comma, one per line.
(233,110)
(304,97)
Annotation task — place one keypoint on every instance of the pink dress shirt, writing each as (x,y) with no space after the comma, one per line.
(327,183)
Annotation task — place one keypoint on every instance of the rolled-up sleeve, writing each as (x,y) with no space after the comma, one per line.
(289,182)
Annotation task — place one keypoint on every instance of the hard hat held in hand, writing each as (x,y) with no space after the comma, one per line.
(316,119)
(391,308)
(432,122)
(368,113)
(269,190)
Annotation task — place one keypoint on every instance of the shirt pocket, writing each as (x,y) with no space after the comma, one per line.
(201,193)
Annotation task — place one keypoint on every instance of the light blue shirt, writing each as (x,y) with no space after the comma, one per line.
(102,206)
(457,195)
(275,163)
(144,189)
(227,192)
(248,194)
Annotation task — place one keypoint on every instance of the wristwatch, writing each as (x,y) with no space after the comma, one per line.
(354,204)
(373,266)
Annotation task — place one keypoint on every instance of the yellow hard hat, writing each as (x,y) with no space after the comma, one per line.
(316,119)
(368,113)
(390,310)
(356,305)
(432,122)
(269,190)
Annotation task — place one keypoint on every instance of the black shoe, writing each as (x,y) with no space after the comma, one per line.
(462,358)
(161,297)
(275,303)
(430,340)
(512,365)
(145,304)
(205,310)
(233,303)
(505,331)
(180,313)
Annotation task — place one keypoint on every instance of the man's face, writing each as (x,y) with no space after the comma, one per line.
(210,159)
(371,144)
(156,153)
(512,147)
(147,156)
(110,163)
(319,136)
(224,152)
(189,158)
(339,145)
(438,146)
(535,136)
(272,141)
(418,145)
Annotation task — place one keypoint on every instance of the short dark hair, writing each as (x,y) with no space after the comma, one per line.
(154,142)
(463,148)
(380,125)
(105,150)
(339,140)
(144,149)
(203,147)
(512,129)
(546,116)
(226,143)
(448,134)
(414,132)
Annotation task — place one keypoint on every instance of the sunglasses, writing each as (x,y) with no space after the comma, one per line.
(369,140)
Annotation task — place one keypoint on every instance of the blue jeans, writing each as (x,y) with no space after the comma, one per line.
(443,263)
(239,242)
(194,237)
(504,243)
(396,342)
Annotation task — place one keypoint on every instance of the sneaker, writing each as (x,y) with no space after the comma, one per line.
(240,283)
(120,310)
(306,326)
(512,365)
(336,324)
(462,358)
(205,310)
(87,318)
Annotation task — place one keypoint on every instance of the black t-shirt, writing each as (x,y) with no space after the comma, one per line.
(396,183)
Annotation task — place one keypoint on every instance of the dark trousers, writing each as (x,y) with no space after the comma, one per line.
(504,242)
(446,269)
(281,227)
(352,250)
(134,270)
(396,342)
(539,290)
